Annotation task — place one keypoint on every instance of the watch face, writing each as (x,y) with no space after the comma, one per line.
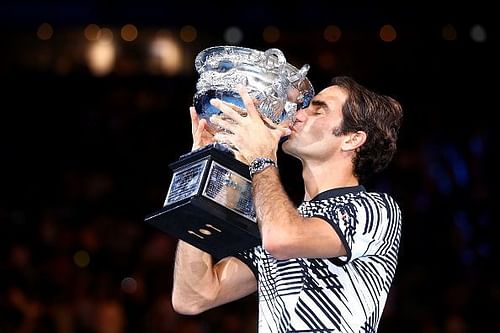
(260,164)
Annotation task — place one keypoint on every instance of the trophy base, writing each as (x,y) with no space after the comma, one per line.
(209,204)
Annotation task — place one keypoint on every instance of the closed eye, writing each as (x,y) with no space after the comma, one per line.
(319,104)
(318,107)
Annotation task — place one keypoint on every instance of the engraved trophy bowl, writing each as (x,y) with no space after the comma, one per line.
(209,201)
(278,88)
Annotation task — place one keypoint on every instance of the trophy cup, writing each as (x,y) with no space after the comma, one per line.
(209,202)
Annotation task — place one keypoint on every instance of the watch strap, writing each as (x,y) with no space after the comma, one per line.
(259,164)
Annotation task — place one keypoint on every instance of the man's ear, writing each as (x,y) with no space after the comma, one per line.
(353,141)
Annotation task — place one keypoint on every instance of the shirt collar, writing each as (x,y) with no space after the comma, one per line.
(336,192)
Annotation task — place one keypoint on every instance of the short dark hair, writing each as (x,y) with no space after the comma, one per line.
(379,116)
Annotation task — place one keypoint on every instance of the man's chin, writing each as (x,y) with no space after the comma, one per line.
(290,151)
(287,145)
(284,138)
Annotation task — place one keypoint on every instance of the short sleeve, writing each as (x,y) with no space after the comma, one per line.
(249,257)
(366,225)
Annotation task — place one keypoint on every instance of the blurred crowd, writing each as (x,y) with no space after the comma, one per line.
(86,159)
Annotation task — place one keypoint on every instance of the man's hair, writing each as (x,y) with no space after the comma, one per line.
(379,117)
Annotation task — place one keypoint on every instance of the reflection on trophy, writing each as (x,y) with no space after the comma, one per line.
(209,202)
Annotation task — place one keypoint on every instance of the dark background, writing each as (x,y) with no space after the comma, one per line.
(85,157)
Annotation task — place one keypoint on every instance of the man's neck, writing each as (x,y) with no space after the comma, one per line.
(319,177)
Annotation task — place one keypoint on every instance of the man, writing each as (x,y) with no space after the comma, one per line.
(327,265)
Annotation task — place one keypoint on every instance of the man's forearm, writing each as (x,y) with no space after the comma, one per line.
(194,279)
(277,216)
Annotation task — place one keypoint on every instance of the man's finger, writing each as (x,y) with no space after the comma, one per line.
(241,111)
(194,119)
(223,137)
(285,131)
(223,123)
(199,131)
(269,123)
(248,101)
(226,109)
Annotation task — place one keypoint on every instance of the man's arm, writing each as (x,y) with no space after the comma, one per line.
(199,284)
(286,234)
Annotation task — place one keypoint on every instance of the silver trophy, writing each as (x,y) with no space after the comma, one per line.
(209,202)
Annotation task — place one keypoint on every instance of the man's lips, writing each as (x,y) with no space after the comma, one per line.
(294,127)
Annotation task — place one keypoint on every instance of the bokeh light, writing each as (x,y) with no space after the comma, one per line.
(233,35)
(387,33)
(188,33)
(332,33)
(45,31)
(129,32)
(81,258)
(271,34)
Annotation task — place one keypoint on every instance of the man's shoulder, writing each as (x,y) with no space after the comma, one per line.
(381,197)
(363,198)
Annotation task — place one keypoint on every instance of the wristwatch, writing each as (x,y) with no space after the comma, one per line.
(259,164)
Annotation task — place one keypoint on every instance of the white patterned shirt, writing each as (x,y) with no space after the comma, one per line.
(342,294)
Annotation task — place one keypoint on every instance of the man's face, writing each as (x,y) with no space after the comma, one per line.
(313,131)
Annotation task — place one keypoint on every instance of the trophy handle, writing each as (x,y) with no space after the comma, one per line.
(271,55)
(300,75)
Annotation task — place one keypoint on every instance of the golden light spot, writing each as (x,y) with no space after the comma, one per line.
(449,32)
(45,31)
(388,33)
(92,32)
(81,258)
(271,34)
(188,33)
(129,32)
(332,33)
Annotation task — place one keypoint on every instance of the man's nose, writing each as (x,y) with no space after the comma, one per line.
(301,115)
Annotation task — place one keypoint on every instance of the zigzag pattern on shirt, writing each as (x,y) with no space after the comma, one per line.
(331,295)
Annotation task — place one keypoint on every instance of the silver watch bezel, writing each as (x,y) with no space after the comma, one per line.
(259,164)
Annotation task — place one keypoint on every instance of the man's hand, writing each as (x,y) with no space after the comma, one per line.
(199,130)
(252,135)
